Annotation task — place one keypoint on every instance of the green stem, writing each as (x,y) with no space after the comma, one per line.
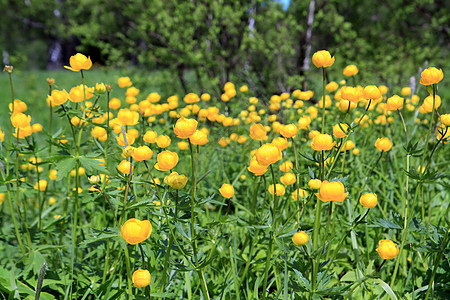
(323,100)
(436,265)
(272,234)
(405,230)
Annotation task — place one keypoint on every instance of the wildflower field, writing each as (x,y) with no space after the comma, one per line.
(115,191)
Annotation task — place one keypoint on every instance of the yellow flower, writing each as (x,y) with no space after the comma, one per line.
(349,145)
(175,180)
(184,128)
(289,130)
(300,238)
(94,179)
(332,86)
(121,141)
(141,278)
(226,190)
(19,106)
(304,122)
(128,117)
(280,142)
(166,160)
(337,130)
(258,132)
(280,190)
(51,201)
(268,154)
(371,92)
(135,231)
(431,76)
(299,193)
(98,132)
(163,141)
(142,153)
(125,167)
(20,120)
(387,249)
(427,105)
(383,144)
(52,174)
(191,98)
(288,179)
(393,103)
(350,94)
(406,91)
(57,98)
(100,88)
(23,132)
(445,119)
(286,166)
(332,191)
(80,93)
(350,70)
(198,138)
(322,142)
(243,88)
(150,137)
(315,184)
(323,59)
(256,168)
(124,82)
(183,145)
(79,62)
(368,200)
(41,185)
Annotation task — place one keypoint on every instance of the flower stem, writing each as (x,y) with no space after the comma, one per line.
(323,100)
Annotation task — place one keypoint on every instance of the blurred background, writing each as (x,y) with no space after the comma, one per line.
(200,45)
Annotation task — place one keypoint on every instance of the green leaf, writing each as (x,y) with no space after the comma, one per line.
(91,165)
(64,167)
(385,224)
(386,287)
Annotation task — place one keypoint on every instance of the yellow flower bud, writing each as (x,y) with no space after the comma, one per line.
(368,200)
(279,189)
(350,70)
(125,167)
(268,154)
(184,128)
(226,190)
(371,92)
(124,82)
(299,193)
(314,184)
(289,130)
(198,138)
(323,59)
(141,278)
(322,142)
(286,166)
(142,153)
(332,191)
(135,231)
(387,249)
(300,238)
(288,179)
(41,185)
(175,180)
(393,103)
(337,130)
(383,144)
(166,160)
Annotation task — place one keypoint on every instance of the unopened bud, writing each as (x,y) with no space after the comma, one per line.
(50,81)
(8,69)
(108,88)
(94,179)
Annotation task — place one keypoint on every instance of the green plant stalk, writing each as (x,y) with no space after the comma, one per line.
(169,248)
(194,241)
(323,100)
(107,130)
(436,265)
(272,234)
(11,210)
(316,228)
(405,230)
(10,125)
(296,181)
(127,263)
(105,269)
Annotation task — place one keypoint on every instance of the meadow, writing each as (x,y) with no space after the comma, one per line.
(115,187)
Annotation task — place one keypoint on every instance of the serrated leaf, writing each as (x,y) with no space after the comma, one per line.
(91,165)
(64,167)
(385,224)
